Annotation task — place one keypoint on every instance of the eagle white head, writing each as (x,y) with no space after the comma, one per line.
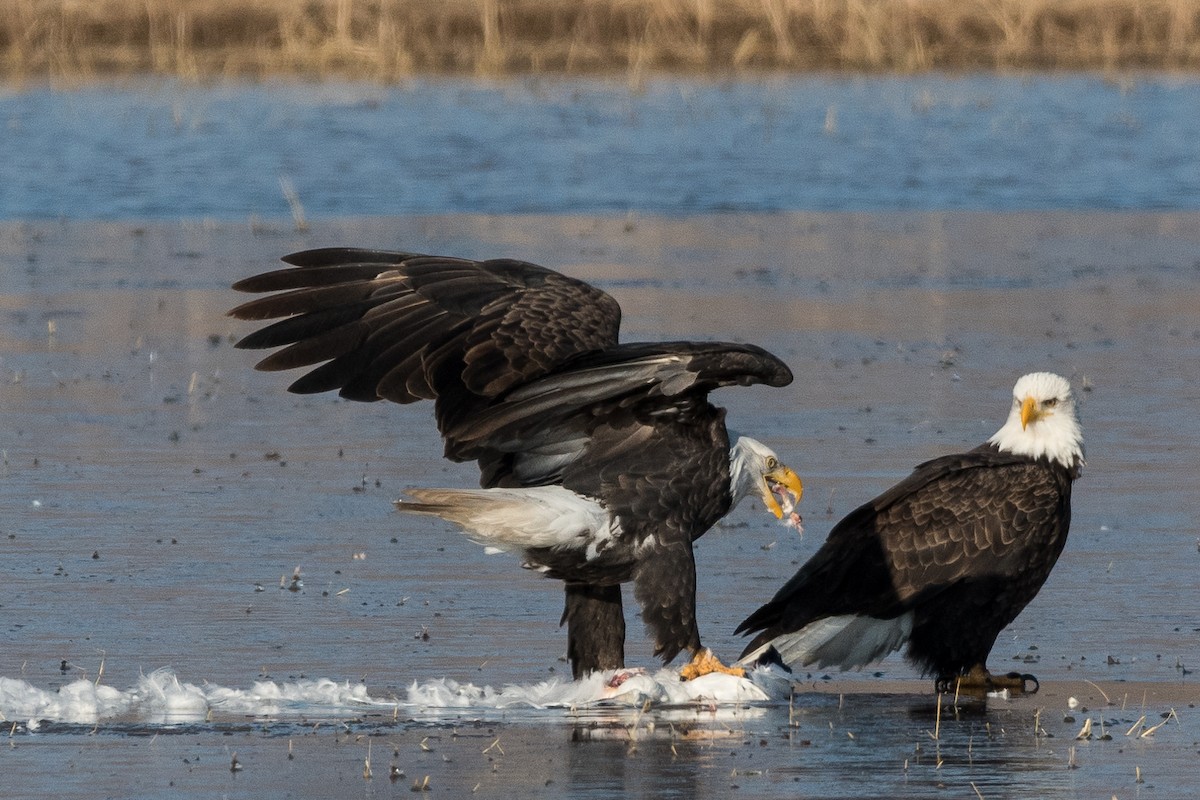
(754,469)
(1042,421)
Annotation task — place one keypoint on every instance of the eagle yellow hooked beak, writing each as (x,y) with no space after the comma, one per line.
(780,481)
(1029,412)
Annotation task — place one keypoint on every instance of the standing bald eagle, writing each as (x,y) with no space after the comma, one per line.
(943,560)
(601,462)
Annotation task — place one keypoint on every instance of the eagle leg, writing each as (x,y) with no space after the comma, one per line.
(704,662)
(978,681)
(595,623)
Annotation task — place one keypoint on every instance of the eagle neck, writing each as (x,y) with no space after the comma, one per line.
(1060,443)
(1070,470)
(742,477)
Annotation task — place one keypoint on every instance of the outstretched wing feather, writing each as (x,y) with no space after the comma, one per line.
(339,257)
(415,326)
(668,377)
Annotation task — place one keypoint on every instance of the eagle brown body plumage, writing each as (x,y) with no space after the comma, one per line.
(529,380)
(940,563)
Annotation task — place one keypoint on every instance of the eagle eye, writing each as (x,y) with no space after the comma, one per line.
(1051,403)
(772,462)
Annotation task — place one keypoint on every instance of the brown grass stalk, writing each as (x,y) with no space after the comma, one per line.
(389,40)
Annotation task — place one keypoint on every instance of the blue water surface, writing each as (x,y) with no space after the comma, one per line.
(982,142)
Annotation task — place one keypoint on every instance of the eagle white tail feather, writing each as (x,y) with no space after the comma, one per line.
(516,519)
(847,641)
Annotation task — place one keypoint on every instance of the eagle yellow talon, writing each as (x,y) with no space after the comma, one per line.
(704,662)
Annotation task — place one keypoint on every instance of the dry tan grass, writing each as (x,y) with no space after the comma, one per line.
(387,40)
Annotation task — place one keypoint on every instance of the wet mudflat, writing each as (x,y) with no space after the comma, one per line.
(166,506)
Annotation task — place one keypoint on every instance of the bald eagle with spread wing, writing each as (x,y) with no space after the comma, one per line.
(942,561)
(600,462)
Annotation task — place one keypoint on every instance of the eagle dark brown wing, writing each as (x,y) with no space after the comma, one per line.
(405,327)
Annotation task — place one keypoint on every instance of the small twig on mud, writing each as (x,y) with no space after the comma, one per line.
(1098,689)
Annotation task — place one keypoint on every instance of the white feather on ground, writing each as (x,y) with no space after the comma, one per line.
(161,698)
(633,688)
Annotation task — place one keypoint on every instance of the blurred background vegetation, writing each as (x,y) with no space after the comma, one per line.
(388,40)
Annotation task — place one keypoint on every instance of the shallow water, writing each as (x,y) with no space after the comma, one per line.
(161,494)
(930,142)
(872,746)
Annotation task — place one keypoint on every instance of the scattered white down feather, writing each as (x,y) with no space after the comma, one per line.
(632,688)
(161,698)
